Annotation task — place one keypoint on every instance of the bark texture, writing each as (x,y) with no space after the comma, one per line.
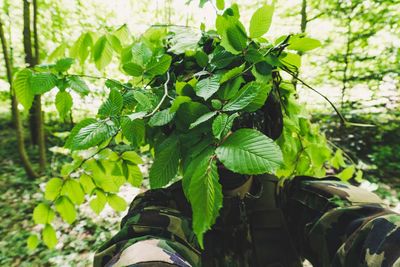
(14,111)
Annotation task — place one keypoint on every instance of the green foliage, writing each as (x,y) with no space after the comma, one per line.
(261,21)
(49,236)
(207,87)
(43,214)
(166,163)
(185,99)
(63,103)
(249,151)
(22,88)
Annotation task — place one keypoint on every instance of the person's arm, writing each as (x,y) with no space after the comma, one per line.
(153,233)
(336,224)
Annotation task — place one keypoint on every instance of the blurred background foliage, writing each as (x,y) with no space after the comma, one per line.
(357,68)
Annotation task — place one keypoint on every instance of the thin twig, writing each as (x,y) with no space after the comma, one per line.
(100,78)
(163,97)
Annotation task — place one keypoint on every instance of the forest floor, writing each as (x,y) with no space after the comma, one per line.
(18,197)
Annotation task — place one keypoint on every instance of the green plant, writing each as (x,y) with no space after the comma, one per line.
(187,89)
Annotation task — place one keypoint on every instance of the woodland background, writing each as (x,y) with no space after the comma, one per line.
(357,68)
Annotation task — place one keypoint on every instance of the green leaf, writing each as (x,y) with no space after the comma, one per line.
(230,88)
(133,174)
(133,69)
(99,202)
(53,189)
(244,97)
(222,58)
(114,42)
(63,103)
(233,73)
(81,47)
(43,214)
(207,87)
(134,131)
(223,124)
(347,173)
(78,85)
(201,58)
(143,100)
(261,21)
(87,183)
(248,151)
(141,53)
(237,37)
(92,134)
(232,32)
(178,101)
(73,190)
(158,66)
(76,129)
(165,164)
(116,202)
(205,196)
(64,64)
(259,100)
(183,40)
(303,44)
(337,160)
(123,35)
(112,106)
(253,56)
(42,82)
(22,88)
(220,4)
(216,103)
(189,113)
(66,209)
(32,242)
(102,53)
(202,119)
(49,236)
(161,118)
(291,60)
(132,156)
(58,52)
(359,176)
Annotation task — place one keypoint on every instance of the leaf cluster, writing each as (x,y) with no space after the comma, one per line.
(184,96)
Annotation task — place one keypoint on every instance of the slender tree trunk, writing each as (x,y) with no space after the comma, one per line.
(39,112)
(346,64)
(36,115)
(303,24)
(14,110)
(303,27)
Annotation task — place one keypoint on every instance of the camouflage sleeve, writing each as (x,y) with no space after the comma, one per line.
(337,224)
(153,233)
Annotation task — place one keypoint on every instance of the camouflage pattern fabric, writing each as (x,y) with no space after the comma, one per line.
(328,222)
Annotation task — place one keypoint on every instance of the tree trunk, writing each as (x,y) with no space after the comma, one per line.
(303,27)
(36,115)
(14,111)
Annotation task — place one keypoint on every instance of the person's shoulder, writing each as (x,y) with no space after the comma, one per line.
(329,189)
(170,198)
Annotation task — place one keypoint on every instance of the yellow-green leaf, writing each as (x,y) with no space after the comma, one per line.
(53,189)
(43,214)
(261,21)
(116,202)
(49,236)
(66,209)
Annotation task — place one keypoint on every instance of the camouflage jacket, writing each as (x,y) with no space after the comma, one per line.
(324,221)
